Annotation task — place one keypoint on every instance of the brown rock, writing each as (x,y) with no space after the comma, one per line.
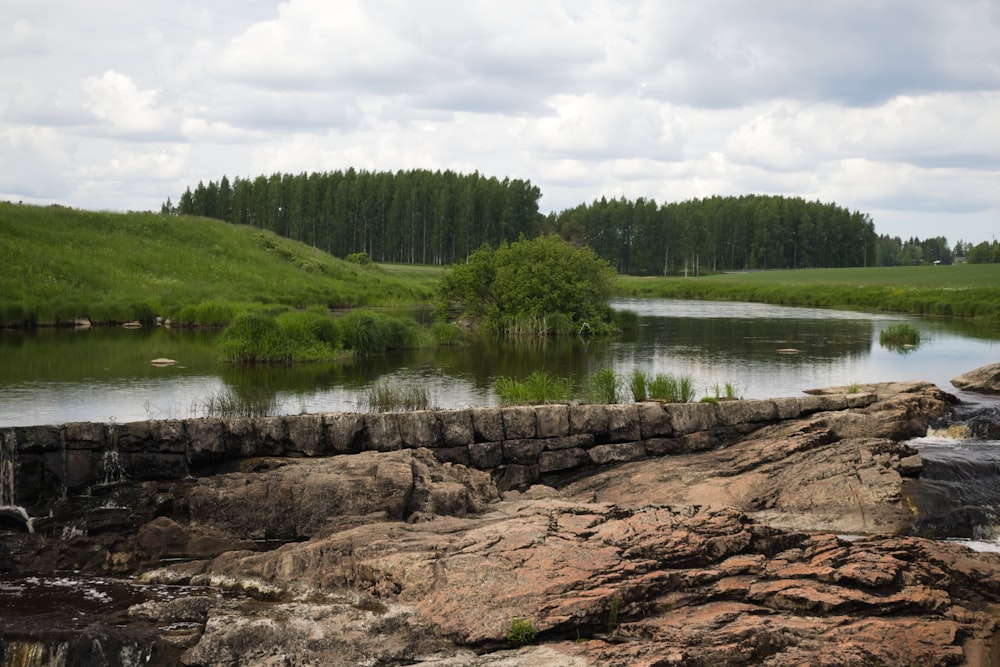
(984,380)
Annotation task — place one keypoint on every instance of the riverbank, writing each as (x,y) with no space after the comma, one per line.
(681,534)
(966,290)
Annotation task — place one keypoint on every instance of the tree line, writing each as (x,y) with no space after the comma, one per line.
(414,217)
(441,217)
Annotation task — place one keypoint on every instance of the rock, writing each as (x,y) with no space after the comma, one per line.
(985,380)
(723,549)
(643,585)
(289,499)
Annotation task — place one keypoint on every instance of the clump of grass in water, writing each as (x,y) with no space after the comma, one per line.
(383,397)
(537,389)
(228,403)
(899,336)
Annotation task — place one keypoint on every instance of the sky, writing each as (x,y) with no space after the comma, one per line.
(891,108)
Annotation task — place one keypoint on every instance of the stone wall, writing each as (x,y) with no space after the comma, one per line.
(517,445)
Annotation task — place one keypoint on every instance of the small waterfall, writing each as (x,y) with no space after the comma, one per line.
(111,472)
(32,653)
(8,465)
(958,493)
(8,477)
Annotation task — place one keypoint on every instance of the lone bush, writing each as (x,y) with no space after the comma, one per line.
(531,281)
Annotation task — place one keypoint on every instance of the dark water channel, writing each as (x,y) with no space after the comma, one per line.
(51,377)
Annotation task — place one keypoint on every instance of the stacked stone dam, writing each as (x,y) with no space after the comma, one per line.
(517,445)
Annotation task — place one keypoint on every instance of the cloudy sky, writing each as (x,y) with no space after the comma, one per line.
(887,107)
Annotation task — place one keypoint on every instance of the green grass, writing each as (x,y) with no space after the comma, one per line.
(62,264)
(899,338)
(537,389)
(396,398)
(963,290)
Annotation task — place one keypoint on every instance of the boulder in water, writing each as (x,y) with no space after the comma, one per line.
(984,380)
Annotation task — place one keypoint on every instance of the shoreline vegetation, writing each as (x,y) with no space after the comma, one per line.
(62,266)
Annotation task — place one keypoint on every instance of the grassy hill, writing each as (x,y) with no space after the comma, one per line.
(59,264)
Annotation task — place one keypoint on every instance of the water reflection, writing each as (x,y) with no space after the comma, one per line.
(49,377)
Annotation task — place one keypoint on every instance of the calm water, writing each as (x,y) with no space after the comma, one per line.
(51,377)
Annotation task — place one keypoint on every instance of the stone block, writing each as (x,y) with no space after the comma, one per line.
(459,455)
(487,425)
(306,435)
(664,446)
(617,453)
(731,413)
(419,429)
(486,455)
(654,420)
(589,418)
(833,402)
(623,423)
(383,432)
(206,440)
(82,435)
(552,421)
(518,422)
(73,468)
(456,427)
(788,408)
(582,440)
(345,432)
(810,403)
(522,452)
(562,459)
(160,435)
(272,437)
(140,466)
(692,417)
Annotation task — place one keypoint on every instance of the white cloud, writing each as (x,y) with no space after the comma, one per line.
(891,106)
(114,97)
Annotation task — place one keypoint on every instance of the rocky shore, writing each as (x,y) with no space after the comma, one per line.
(785,540)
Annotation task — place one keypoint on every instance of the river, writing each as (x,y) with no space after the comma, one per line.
(104,374)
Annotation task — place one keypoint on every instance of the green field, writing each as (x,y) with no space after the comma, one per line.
(963,290)
(58,265)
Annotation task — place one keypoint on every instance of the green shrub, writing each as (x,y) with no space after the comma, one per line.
(521,631)
(302,330)
(368,332)
(515,288)
(254,337)
(447,333)
(361,258)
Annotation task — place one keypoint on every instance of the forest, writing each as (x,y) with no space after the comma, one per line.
(441,217)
